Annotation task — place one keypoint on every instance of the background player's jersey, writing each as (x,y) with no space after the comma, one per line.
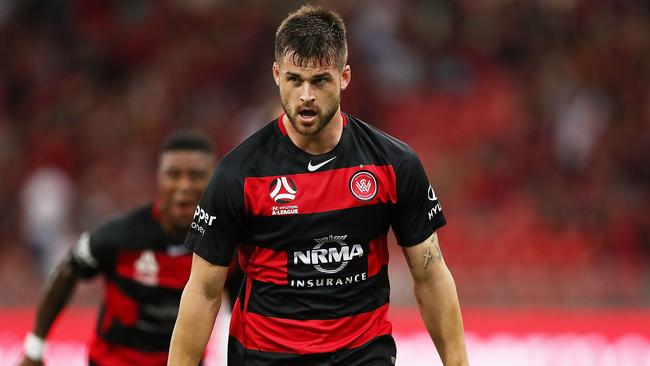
(312,233)
(145,272)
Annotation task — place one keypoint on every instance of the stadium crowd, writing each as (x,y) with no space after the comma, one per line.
(532,119)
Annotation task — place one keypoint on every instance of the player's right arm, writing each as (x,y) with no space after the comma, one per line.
(218,224)
(83,262)
(54,296)
(198,310)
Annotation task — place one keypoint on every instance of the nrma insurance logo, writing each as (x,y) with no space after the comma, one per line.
(330,256)
(329,259)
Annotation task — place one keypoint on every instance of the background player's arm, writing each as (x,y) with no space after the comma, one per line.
(55,294)
(435,292)
(198,310)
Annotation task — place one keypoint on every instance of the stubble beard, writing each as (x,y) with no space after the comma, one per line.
(320,125)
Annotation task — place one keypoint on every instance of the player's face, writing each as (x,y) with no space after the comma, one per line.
(310,95)
(182,177)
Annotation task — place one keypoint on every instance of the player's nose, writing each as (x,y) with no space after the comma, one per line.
(184,184)
(307,93)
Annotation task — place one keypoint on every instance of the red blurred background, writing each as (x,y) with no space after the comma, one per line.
(532,119)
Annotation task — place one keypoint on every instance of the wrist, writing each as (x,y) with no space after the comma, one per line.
(34,347)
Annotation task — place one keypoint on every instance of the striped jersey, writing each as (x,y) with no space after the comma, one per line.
(145,271)
(312,237)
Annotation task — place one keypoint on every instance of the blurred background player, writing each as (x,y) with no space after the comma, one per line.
(143,261)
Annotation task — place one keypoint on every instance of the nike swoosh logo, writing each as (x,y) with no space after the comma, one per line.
(313,168)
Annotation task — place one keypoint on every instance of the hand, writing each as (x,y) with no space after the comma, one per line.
(29,362)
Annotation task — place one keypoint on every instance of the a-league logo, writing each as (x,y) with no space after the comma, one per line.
(283,190)
(363,185)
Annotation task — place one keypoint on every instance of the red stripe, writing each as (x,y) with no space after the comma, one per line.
(283,130)
(319,191)
(118,307)
(377,255)
(264,264)
(269,334)
(173,272)
(247,294)
(104,354)
(155,210)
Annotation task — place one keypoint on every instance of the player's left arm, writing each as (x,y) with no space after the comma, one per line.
(435,292)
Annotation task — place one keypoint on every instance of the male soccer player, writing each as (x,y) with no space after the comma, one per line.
(310,199)
(144,263)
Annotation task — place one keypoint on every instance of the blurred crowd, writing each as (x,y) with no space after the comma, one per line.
(532,119)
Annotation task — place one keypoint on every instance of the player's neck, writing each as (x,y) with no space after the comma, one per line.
(320,143)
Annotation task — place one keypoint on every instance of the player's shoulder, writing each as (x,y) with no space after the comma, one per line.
(236,162)
(394,149)
(123,229)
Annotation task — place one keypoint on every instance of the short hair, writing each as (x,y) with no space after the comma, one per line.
(192,140)
(312,34)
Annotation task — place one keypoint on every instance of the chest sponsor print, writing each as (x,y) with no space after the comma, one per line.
(332,261)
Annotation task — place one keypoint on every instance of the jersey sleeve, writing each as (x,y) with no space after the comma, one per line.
(218,219)
(417,212)
(92,253)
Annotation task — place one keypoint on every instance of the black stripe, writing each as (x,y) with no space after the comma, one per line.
(140,292)
(135,338)
(380,351)
(157,312)
(363,223)
(328,302)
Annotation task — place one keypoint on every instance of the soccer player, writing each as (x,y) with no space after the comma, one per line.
(310,199)
(143,261)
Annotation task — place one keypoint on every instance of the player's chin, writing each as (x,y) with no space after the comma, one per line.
(309,128)
(182,221)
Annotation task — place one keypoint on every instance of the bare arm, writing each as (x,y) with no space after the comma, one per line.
(436,296)
(55,294)
(198,310)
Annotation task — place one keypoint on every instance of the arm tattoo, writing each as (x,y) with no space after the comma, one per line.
(427,256)
(436,248)
(437,254)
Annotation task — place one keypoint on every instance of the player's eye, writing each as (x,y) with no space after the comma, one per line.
(294,80)
(319,81)
(196,175)
(173,174)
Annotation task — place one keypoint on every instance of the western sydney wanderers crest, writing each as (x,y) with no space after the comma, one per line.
(363,185)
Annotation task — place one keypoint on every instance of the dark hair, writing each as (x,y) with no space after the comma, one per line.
(312,34)
(187,140)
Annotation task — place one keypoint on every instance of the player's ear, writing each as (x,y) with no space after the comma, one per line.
(346,76)
(276,73)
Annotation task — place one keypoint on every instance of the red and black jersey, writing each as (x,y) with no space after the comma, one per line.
(145,271)
(312,231)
